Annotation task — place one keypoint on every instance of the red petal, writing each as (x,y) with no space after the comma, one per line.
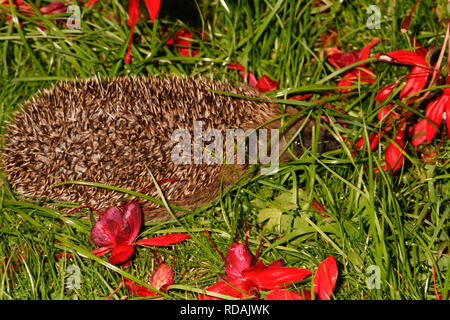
(415,82)
(133,216)
(276,278)
(386,91)
(237,288)
(250,77)
(138,290)
(384,112)
(394,157)
(341,60)
(163,240)
(266,84)
(433,112)
(355,75)
(101,251)
(373,138)
(420,128)
(325,278)
(153,8)
(365,51)
(276,264)
(301,98)
(162,277)
(133,12)
(447,116)
(91,3)
(110,228)
(287,295)
(404,57)
(238,259)
(120,254)
(54,7)
(435,109)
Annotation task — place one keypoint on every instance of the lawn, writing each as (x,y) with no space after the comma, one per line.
(380,209)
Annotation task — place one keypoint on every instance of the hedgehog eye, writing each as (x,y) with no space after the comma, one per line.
(297,144)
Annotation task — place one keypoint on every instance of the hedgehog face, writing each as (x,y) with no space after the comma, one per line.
(303,140)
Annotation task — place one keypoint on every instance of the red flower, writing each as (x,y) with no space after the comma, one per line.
(117,229)
(244,279)
(161,278)
(340,60)
(435,113)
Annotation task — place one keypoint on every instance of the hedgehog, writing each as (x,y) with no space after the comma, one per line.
(120,132)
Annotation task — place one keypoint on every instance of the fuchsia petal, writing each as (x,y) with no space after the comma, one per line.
(110,229)
(386,91)
(384,111)
(365,51)
(276,264)
(238,259)
(162,277)
(416,81)
(373,138)
(276,278)
(120,254)
(404,57)
(325,278)
(433,112)
(341,60)
(54,7)
(354,75)
(435,109)
(394,156)
(153,7)
(163,240)
(133,216)
(420,128)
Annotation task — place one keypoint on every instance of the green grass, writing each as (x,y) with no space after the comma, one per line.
(398,222)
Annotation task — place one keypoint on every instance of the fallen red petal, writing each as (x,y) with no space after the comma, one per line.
(163,240)
(236,288)
(120,254)
(276,278)
(325,278)
(153,7)
(265,84)
(237,259)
